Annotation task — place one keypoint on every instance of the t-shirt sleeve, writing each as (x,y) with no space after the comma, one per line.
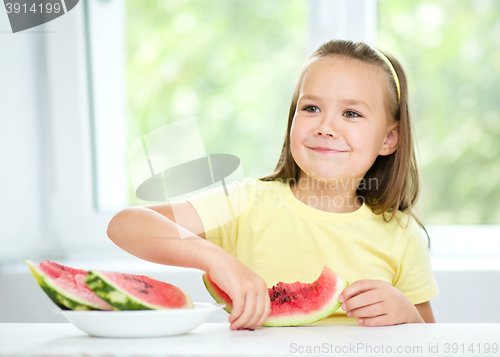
(414,275)
(219,209)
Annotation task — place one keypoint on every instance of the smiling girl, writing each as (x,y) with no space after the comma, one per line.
(341,196)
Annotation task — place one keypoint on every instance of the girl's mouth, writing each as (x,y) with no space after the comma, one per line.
(326,151)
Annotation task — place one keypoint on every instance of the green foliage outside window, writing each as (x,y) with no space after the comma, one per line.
(451,52)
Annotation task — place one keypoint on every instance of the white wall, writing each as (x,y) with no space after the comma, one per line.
(22,116)
(467,296)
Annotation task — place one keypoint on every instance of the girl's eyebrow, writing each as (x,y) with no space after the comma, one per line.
(347,101)
(355,102)
(308,96)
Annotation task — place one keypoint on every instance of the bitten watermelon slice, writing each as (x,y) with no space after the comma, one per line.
(66,286)
(137,292)
(296,303)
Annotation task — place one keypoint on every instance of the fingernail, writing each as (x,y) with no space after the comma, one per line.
(360,321)
(348,313)
(343,307)
(341,298)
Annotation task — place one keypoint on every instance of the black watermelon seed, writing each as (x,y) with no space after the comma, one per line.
(272,298)
(283,299)
(143,291)
(293,296)
(287,298)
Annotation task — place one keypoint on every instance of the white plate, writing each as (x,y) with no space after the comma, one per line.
(140,323)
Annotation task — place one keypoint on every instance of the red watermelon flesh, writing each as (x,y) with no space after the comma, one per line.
(67,286)
(295,303)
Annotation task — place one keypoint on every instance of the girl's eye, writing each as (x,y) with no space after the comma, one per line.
(351,114)
(311,109)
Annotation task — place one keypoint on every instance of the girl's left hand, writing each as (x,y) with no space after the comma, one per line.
(377,303)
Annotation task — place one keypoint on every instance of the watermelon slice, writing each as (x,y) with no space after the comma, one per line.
(137,292)
(296,303)
(66,286)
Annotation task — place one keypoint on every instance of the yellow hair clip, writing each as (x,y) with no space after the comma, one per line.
(394,74)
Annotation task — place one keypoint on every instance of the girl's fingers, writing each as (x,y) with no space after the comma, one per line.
(367,311)
(238,306)
(381,320)
(367,298)
(357,288)
(259,311)
(248,312)
(267,311)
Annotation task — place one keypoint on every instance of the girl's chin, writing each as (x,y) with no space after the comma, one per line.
(328,177)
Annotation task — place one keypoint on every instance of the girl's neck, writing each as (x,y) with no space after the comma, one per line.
(336,197)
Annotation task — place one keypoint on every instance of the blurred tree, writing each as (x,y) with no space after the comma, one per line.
(230,63)
(451,53)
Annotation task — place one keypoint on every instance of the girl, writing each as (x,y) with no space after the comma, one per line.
(341,196)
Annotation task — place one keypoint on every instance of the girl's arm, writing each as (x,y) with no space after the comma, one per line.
(425,310)
(153,233)
(155,237)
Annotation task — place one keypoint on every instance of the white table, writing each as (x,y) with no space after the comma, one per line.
(216,339)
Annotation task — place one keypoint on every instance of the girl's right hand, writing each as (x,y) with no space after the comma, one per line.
(251,303)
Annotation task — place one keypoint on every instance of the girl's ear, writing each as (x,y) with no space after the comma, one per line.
(391,140)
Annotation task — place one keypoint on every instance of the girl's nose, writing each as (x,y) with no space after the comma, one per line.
(326,129)
(332,133)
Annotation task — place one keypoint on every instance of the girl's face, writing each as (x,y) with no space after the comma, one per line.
(343,109)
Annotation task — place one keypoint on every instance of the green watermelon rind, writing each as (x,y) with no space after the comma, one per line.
(326,311)
(61,298)
(120,299)
(215,295)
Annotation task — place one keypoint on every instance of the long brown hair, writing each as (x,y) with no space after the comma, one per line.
(397,170)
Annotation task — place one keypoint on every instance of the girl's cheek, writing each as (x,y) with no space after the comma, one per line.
(296,133)
(300,129)
(359,138)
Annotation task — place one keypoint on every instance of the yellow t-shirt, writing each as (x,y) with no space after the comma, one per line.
(280,238)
